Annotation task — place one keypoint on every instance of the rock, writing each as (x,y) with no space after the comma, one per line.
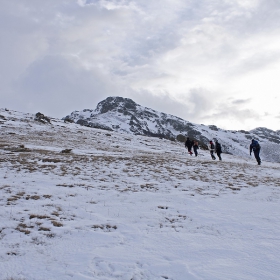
(100,126)
(67,119)
(181,138)
(20,148)
(93,125)
(213,127)
(66,151)
(82,122)
(42,118)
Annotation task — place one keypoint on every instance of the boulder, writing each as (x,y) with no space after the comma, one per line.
(42,118)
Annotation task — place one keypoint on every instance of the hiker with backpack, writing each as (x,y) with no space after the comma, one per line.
(195,147)
(188,144)
(218,149)
(211,147)
(255,146)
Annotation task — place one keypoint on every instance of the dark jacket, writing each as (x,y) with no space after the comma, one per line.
(255,146)
(189,143)
(218,147)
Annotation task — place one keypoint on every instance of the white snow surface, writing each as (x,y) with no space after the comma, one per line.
(121,206)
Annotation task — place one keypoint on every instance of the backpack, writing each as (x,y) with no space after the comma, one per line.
(218,146)
(256,145)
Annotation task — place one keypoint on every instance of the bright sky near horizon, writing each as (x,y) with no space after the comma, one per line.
(209,61)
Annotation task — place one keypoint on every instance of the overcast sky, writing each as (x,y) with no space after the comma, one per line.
(207,61)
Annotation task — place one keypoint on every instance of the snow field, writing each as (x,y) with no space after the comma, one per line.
(131,207)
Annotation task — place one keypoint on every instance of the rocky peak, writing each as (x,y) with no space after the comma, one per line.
(115,104)
(265,133)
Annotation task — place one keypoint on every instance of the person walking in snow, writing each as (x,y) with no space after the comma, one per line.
(188,145)
(211,147)
(218,149)
(255,146)
(195,147)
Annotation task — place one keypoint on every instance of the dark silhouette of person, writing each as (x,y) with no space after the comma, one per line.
(256,148)
(218,149)
(211,147)
(188,145)
(195,147)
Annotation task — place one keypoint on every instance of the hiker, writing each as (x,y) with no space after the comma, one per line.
(218,149)
(195,147)
(255,146)
(188,145)
(211,147)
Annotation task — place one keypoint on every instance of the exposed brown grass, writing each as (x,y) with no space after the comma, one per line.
(35,197)
(106,227)
(43,229)
(13,198)
(33,216)
(57,224)
(54,160)
(55,213)
(23,228)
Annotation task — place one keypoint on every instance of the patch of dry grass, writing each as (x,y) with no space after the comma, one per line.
(54,160)
(33,216)
(24,228)
(15,197)
(56,223)
(65,185)
(55,213)
(43,229)
(106,227)
(35,197)
(4,187)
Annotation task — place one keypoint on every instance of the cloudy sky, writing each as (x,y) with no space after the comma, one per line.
(207,61)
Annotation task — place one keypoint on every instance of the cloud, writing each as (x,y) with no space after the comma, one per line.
(233,114)
(162,103)
(57,85)
(230,113)
(193,106)
(241,101)
(183,57)
(202,106)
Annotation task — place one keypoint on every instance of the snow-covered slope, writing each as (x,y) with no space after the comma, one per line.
(125,116)
(124,206)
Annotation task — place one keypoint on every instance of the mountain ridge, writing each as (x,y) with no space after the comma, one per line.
(126,116)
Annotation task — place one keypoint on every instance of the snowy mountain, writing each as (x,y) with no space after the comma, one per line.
(125,116)
(83,203)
